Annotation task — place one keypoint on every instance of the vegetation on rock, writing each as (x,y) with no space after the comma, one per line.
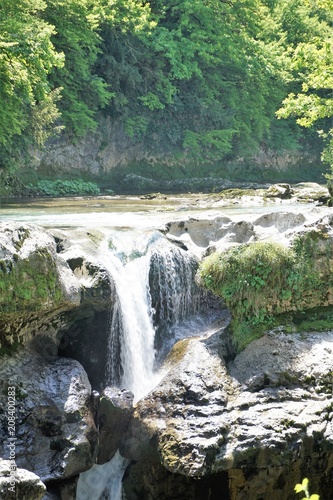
(262,281)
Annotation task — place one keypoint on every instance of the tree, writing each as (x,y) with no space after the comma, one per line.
(27,56)
(195,75)
(75,35)
(311,71)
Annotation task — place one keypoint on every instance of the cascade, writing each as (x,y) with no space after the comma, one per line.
(102,482)
(180,307)
(156,293)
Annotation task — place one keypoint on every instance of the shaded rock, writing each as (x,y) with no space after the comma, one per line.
(144,480)
(115,411)
(55,430)
(19,483)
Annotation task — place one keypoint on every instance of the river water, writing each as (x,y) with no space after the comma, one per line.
(127,211)
(130,248)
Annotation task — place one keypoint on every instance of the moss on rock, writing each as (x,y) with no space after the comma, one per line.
(262,281)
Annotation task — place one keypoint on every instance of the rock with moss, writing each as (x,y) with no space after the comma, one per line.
(263,281)
(26,485)
(35,283)
(47,284)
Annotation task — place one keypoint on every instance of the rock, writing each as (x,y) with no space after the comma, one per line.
(115,411)
(55,293)
(36,284)
(200,233)
(205,234)
(26,485)
(280,221)
(55,430)
(268,409)
(310,191)
(279,191)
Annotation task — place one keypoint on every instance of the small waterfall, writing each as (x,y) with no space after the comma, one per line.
(181,308)
(156,293)
(102,482)
(175,294)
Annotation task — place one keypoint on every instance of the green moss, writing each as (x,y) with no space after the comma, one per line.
(29,284)
(262,281)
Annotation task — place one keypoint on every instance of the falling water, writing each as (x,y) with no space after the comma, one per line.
(131,325)
(102,481)
(155,292)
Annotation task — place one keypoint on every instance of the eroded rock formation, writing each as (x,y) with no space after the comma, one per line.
(264,417)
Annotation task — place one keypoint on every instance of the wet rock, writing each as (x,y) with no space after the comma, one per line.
(26,485)
(55,430)
(114,413)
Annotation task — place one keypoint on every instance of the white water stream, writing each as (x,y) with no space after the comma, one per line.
(132,323)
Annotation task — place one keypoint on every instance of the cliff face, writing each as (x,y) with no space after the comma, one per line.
(109,146)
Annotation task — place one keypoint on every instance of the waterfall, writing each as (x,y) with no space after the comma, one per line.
(132,332)
(102,481)
(181,308)
(155,293)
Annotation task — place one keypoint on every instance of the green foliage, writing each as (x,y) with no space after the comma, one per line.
(27,56)
(260,281)
(304,488)
(308,29)
(83,92)
(198,80)
(66,188)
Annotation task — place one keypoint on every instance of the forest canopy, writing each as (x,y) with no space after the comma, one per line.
(207,78)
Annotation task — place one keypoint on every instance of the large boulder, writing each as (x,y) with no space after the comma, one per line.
(55,290)
(55,433)
(35,283)
(264,415)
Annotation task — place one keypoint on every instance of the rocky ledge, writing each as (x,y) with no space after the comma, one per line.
(264,417)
